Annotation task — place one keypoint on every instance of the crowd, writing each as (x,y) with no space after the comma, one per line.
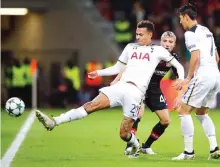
(125,14)
(68,84)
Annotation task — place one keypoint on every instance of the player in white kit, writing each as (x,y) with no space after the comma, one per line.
(141,60)
(204,82)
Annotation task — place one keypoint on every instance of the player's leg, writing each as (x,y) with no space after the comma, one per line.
(131,103)
(156,102)
(127,136)
(192,99)
(209,129)
(100,102)
(157,130)
(134,128)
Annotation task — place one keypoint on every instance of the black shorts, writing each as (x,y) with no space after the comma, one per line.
(155,101)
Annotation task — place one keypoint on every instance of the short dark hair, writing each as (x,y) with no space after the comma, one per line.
(146,24)
(189,9)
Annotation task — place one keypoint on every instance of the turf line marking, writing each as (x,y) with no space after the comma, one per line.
(12,150)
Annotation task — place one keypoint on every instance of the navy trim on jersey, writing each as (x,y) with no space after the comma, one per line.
(193,29)
(171,59)
(191,92)
(122,62)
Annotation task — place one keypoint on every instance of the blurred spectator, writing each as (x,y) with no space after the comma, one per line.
(123,32)
(93,86)
(28,82)
(138,14)
(104,7)
(18,80)
(72,72)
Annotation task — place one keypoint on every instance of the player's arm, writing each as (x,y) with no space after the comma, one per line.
(118,77)
(173,68)
(179,68)
(217,56)
(113,70)
(192,45)
(194,60)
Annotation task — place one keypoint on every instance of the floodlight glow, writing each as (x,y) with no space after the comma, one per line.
(13,11)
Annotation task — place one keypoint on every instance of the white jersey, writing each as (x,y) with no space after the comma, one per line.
(141,62)
(200,38)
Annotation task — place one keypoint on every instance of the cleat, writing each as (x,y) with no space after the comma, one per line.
(135,152)
(49,123)
(128,149)
(148,151)
(214,155)
(184,156)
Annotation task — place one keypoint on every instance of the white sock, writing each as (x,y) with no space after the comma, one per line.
(188,132)
(134,140)
(209,129)
(73,114)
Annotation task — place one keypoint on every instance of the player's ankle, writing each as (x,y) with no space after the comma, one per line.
(189,153)
(216,149)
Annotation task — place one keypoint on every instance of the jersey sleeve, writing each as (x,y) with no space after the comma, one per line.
(191,41)
(173,68)
(165,54)
(123,58)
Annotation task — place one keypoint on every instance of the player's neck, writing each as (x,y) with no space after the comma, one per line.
(192,24)
(148,43)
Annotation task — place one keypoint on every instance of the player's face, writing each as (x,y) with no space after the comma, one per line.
(184,21)
(168,43)
(143,36)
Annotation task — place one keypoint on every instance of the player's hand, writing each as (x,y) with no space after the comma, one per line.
(177,102)
(180,83)
(92,75)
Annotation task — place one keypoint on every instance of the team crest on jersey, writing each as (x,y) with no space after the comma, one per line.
(140,56)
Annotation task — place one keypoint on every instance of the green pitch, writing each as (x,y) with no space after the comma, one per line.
(95,142)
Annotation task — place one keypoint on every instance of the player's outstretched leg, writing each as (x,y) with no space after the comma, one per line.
(100,102)
(209,129)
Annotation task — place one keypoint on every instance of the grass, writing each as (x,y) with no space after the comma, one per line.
(94,141)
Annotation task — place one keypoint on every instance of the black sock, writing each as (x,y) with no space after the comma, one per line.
(134,129)
(156,132)
(135,125)
(216,149)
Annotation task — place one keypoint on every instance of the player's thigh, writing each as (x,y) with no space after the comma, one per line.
(126,126)
(211,96)
(197,91)
(185,109)
(164,116)
(155,101)
(202,111)
(99,102)
(132,101)
(114,93)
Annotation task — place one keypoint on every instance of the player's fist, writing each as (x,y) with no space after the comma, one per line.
(92,75)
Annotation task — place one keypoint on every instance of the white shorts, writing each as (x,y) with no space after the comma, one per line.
(126,95)
(202,91)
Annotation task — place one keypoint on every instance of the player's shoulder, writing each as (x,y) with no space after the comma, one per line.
(132,45)
(160,48)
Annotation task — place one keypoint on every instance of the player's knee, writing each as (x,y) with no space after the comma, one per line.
(91,106)
(124,135)
(165,122)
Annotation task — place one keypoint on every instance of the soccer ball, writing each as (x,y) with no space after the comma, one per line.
(14,107)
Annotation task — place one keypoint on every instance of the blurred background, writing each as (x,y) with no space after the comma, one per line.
(69,38)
